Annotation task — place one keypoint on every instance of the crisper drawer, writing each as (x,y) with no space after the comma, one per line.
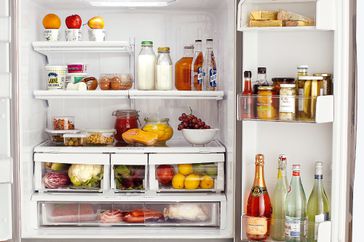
(71,172)
(170,214)
(187,172)
(129,172)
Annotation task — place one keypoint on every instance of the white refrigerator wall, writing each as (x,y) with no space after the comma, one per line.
(174,28)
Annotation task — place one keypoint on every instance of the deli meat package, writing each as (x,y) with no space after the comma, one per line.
(70,213)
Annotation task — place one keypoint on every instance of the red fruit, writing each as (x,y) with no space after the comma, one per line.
(165,174)
(74,22)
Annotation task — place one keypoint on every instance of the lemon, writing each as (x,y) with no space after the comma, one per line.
(192,181)
(207,182)
(178,181)
(185,169)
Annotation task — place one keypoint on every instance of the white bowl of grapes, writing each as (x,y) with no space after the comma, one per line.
(196,131)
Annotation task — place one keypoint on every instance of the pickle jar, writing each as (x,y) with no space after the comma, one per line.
(266,109)
(287,102)
(310,89)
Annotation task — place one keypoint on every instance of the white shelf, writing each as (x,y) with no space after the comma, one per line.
(279,29)
(278,1)
(174,146)
(132,94)
(63,94)
(48,47)
(175,94)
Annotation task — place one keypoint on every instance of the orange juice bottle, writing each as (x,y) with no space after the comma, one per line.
(183,70)
(197,67)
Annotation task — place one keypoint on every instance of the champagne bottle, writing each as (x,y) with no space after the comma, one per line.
(318,209)
(279,200)
(296,208)
(259,209)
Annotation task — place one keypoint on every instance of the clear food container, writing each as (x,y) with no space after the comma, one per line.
(63,123)
(55,172)
(116,81)
(132,213)
(160,127)
(74,139)
(100,137)
(56,136)
(129,172)
(186,172)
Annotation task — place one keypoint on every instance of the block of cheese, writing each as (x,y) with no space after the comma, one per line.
(286,15)
(265,23)
(294,23)
(263,15)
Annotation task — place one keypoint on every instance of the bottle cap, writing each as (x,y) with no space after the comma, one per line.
(318,168)
(189,47)
(262,70)
(282,161)
(198,40)
(296,169)
(209,40)
(163,49)
(302,67)
(259,159)
(147,43)
(247,74)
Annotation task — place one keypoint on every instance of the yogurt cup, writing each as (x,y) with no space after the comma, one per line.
(51,34)
(96,34)
(77,68)
(56,77)
(73,35)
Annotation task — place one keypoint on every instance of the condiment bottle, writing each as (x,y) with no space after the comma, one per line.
(164,70)
(183,70)
(247,104)
(146,66)
(261,79)
(197,67)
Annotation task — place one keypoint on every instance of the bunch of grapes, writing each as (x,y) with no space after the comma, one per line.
(191,122)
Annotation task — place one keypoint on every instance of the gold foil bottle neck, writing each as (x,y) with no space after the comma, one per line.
(259,159)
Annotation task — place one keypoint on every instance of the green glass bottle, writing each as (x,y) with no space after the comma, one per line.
(279,200)
(296,220)
(318,208)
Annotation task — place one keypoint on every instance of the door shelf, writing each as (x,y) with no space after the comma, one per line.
(279,29)
(60,47)
(318,109)
(127,94)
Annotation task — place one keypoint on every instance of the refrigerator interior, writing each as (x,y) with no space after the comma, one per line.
(175,26)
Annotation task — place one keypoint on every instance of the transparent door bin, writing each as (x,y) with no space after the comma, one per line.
(186,172)
(129,173)
(147,214)
(71,173)
(255,228)
(318,109)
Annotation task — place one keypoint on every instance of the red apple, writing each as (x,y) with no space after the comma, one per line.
(165,174)
(74,22)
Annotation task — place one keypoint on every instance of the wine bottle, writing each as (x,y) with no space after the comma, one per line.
(318,209)
(296,208)
(279,200)
(259,209)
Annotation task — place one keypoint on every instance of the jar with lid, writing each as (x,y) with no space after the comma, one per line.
(287,102)
(327,85)
(146,67)
(309,92)
(161,127)
(277,81)
(265,103)
(164,70)
(125,120)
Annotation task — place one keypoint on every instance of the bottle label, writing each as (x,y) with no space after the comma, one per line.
(256,226)
(212,76)
(286,104)
(295,227)
(200,75)
(258,191)
(295,173)
(300,99)
(319,219)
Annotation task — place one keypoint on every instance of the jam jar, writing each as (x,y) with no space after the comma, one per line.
(125,120)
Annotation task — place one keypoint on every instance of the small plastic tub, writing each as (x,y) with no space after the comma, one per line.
(75,78)
(100,136)
(73,35)
(77,68)
(74,139)
(96,34)
(51,34)
(56,136)
(63,123)
(56,77)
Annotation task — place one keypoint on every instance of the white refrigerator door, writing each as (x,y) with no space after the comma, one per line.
(5,102)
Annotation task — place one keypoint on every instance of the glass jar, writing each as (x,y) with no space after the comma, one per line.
(309,90)
(183,70)
(287,102)
(125,120)
(277,81)
(161,127)
(327,85)
(265,103)
(146,67)
(164,70)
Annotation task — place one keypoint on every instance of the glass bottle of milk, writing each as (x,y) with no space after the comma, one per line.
(164,79)
(146,67)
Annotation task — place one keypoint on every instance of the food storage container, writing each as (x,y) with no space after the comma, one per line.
(309,88)
(51,34)
(186,172)
(184,213)
(56,77)
(74,139)
(70,172)
(73,35)
(277,81)
(75,78)
(77,68)
(116,81)
(161,127)
(56,136)
(287,102)
(266,109)
(129,172)
(327,84)
(100,136)
(97,34)
(63,123)
(125,120)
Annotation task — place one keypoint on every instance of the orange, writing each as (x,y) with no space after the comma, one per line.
(51,21)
